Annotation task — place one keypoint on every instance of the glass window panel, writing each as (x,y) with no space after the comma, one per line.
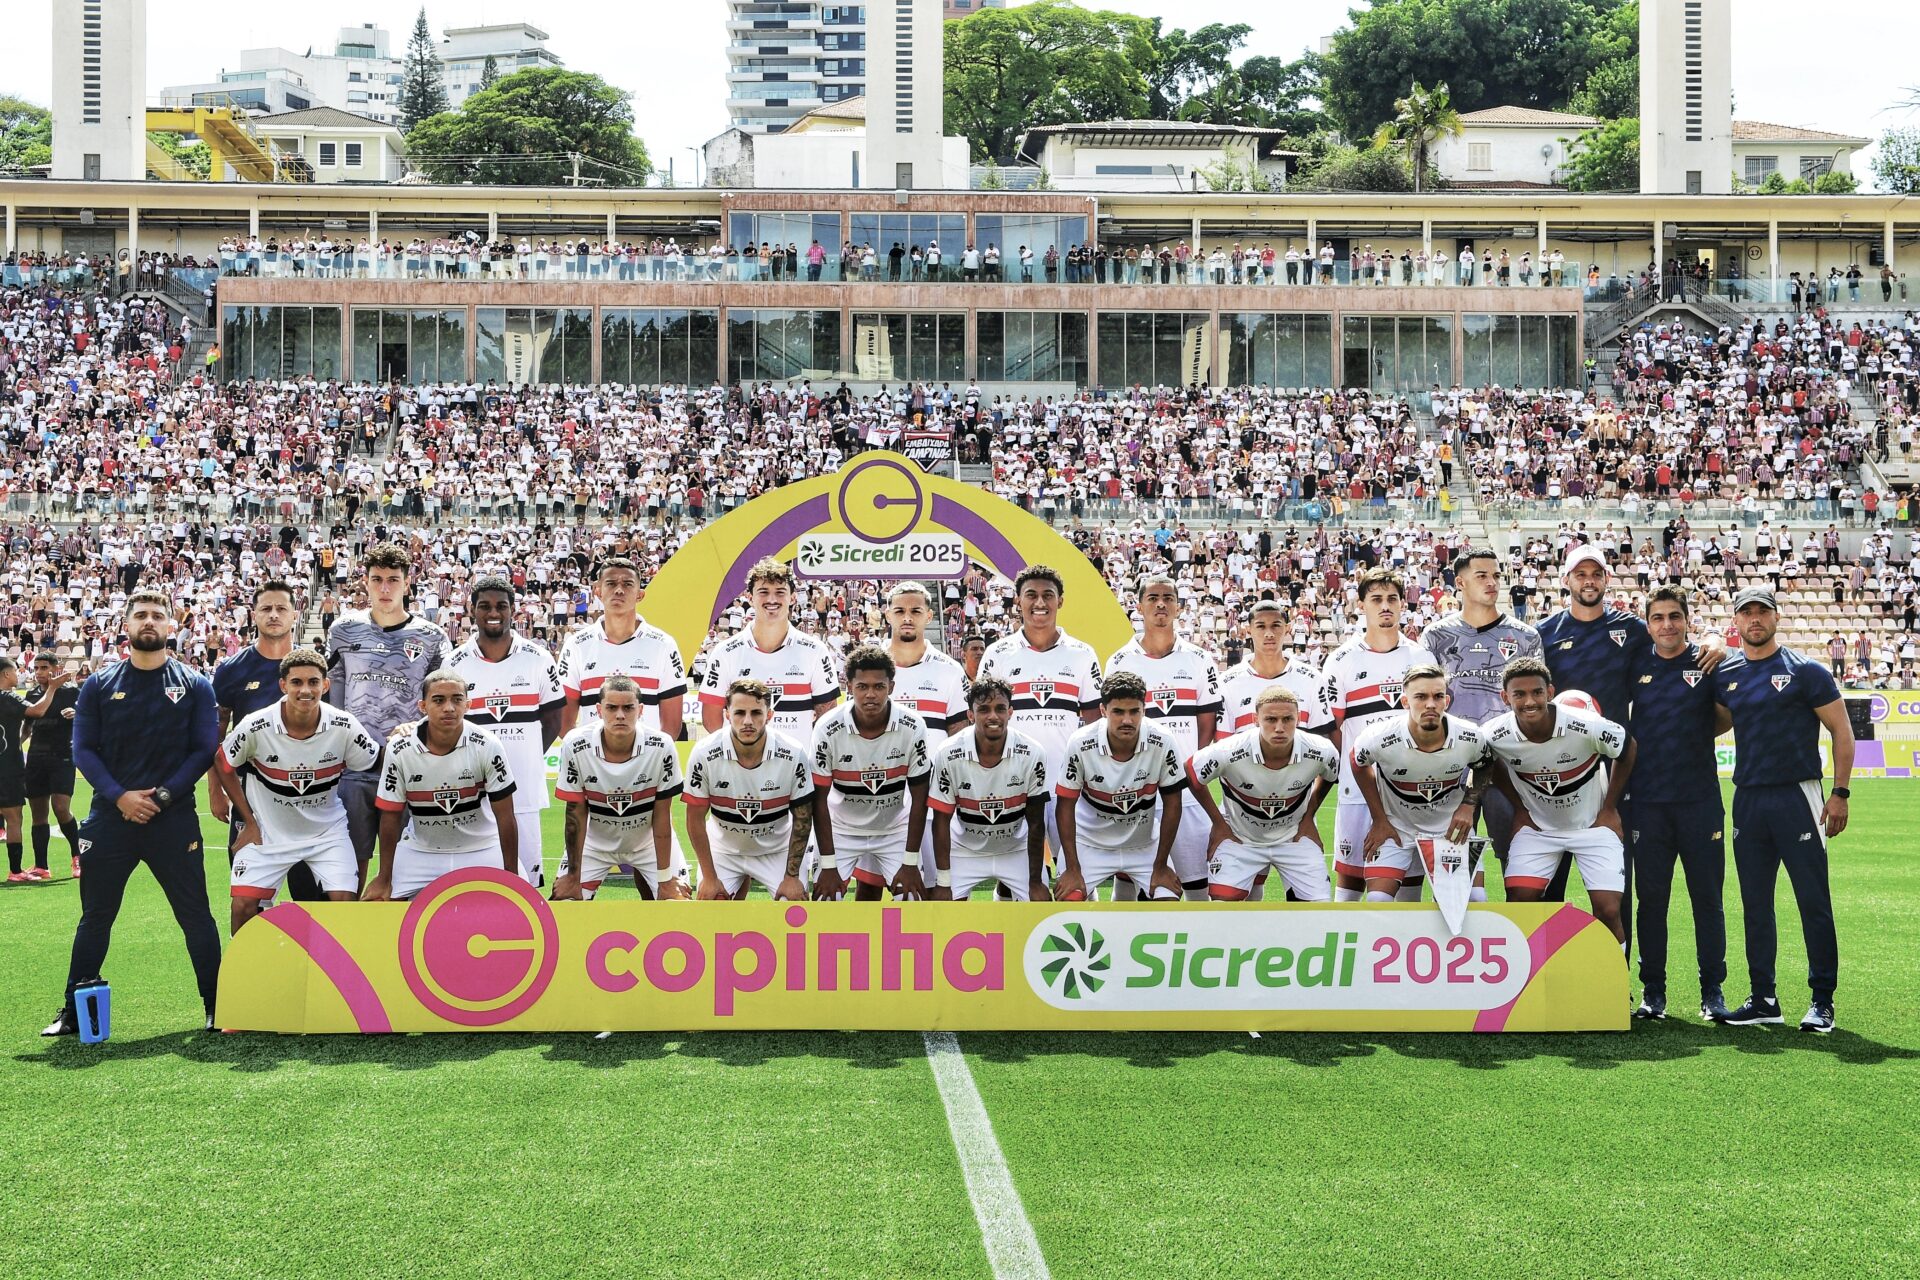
(1072,346)
(1506,351)
(1021,359)
(1439,357)
(989,228)
(1476,341)
(1289,351)
(1111,328)
(676,335)
(1236,331)
(703,347)
(266,343)
(646,349)
(826,342)
(489,343)
(741,228)
(1533,352)
(952,364)
(866,228)
(740,336)
(923,345)
(326,343)
(236,353)
(1411,372)
(296,336)
(1317,364)
(1139,366)
(576,352)
(616,346)
(990,345)
(1564,360)
(366,344)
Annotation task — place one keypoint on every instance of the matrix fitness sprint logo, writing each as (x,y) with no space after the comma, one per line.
(478,947)
(1075,960)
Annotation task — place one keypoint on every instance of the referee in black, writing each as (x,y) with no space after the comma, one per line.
(144,730)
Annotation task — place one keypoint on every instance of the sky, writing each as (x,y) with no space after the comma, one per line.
(1788,67)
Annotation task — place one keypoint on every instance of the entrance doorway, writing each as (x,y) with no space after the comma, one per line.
(393,361)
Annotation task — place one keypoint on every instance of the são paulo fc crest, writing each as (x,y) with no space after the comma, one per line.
(1125,800)
(992,809)
(1042,691)
(1780,683)
(1691,677)
(174,692)
(1508,648)
(619,801)
(1390,692)
(498,703)
(446,798)
(873,778)
(748,807)
(413,649)
(1165,700)
(1431,791)
(300,779)
(1619,638)
(1548,781)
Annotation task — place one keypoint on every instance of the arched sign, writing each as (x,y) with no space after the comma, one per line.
(880,516)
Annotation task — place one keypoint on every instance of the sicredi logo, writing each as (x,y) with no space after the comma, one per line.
(1151,961)
(844,555)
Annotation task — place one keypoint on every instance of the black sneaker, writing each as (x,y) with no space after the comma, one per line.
(1713,1008)
(1757,1010)
(65,1024)
(1653,1005)
(1819,1018)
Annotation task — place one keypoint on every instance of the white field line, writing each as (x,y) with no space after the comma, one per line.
(1012,1250)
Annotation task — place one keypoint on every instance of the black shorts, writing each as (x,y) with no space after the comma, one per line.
(49,776)
(13,789)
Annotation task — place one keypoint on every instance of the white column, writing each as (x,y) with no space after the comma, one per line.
(1194,241)
(1541,252)
(493,224)
(253,220)
(12,244)
(1313,244)
(1659,258)
(133,235)
(612,234)
(373,226)
(1886,243)
(1773,259)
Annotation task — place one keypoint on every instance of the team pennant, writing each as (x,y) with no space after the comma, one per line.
(1450,867)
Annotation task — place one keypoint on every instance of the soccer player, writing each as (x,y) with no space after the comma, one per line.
(799,670)
(618,781)
(1055,678)
(1184,702)
(1116,769)
(49,780)
(621,643)
(1268,665)
(378,659)
(870,759)
(247,682)
(925,681)
(280,769)
(989,801)
(441,781)
(1273,778)
(15,711)
(1365,686)
(1422,773)
(1566,798)
(1677,814)
(1779,700)
(751,804)
(513,692)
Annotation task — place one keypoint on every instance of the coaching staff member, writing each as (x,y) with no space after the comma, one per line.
(144,730)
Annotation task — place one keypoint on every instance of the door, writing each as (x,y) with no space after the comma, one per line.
(393,361)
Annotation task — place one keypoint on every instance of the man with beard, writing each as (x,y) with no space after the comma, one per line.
(247,682)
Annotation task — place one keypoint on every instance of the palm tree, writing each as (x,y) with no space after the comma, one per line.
(1423,116)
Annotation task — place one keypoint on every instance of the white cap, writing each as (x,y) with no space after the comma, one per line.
(1579,555)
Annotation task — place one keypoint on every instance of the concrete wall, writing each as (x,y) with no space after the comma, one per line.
(1515,153)
(1686,114)
(905,109)
(100,88)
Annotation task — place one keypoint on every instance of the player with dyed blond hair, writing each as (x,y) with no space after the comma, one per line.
(1272,779)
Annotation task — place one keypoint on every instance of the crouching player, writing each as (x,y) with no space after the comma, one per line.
(1117,771)
(751,803)
(1423,775)
(870,760)
(1565,798)
(280,769)
(441,780)
(989,802)
(1273,779)
(618,784)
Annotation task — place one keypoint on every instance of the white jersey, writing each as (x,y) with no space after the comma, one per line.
(1562,781)
(1264,805)
(751,808)
(649,656)
(1240,686)
(1050,688)
(619,798)
(989,805)
(936,688)
(803,673)
(447,799)
(867,778)
(1421,789)
(293,783)
(1116,797)
(1361,688)
(506,698)
(1182,686)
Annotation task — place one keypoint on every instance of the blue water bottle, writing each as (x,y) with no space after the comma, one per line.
(93,1001)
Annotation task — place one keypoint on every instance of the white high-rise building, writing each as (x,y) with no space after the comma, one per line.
(513,46)
(100,89)
(1686,97)
(905,107)
(785,59)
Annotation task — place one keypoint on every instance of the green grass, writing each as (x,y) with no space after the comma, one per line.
(1676,1149)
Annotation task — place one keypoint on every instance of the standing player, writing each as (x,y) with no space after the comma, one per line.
(622,644)
(513,692)
(925,681)
(799,670)
(441,778)
(751,803)
(1417,771)
(249,681)
(870,760)
(1677,814)
(1268,666)
(280,769)
(1274,778)
(377,662)
(15,711)
(1779,700)
(1183,701)
(1366,686)
(1116,769)
(1054,678)
(49,778)
(989,802)
(618,781)
(1566,799)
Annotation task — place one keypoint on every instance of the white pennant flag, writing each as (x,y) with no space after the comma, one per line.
(1450,867)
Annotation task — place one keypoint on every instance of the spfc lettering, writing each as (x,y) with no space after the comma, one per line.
(498,704)
(1781,682)
(1692,677)
(1390,691)
(1619,638)
(619,801)
(1165,699)
(413,649)
(175,692)
(1508,648)
(446,798)
(873,778)
(300,779)
(992,809)
(747,807)
(1042,691)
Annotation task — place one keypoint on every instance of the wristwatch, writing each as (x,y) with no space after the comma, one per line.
(1841,793)
(162,797)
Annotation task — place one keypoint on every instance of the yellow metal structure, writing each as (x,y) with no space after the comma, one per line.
(231,142)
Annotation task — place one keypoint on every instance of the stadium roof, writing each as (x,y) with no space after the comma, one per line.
(1151,133)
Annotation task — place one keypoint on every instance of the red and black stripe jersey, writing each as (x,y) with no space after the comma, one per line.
(935,688)
(751,806)
(1182,685)
(1116,798)
(867,777)
(649,657)
(620,797)
(506,698)
(1362,687)
(1051,687)
(988,802)
(447,798)
(803,673)
(292,783)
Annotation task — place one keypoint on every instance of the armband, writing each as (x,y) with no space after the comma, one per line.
(943,877)
(829,862)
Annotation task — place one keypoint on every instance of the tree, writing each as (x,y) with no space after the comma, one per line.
(1612,89)
(1606,158)
(1190,65)
(422,91)
(1835,183)
(1896,165)
(1346,168)
(1228,174)
(525,130)
(490,73)
(190,156)
(1049,62)
(26,134)
(1283,92)
(1419,119)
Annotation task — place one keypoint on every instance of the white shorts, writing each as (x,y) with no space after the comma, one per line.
(1535,855)
(1395,860)
(414,869)
(259,870)
(1097,866)
(1350,825)
(1301,864)
(873,860)
(1189,855)
(1008,869)
(528,824)
(599,866)
(734,870)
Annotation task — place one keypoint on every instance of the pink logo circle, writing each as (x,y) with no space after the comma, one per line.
(478,947)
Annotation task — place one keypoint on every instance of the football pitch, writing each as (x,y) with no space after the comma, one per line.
(1676,1149)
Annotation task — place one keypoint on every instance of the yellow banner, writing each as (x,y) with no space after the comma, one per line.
(480,950)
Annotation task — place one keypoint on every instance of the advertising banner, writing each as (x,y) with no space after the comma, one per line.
(480,950)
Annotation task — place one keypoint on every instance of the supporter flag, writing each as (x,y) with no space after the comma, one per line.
(931,449)
(1450,868)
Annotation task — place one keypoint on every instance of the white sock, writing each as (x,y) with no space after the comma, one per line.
(1409,892)
(1478,894)
(1345,895)
(1375,895)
